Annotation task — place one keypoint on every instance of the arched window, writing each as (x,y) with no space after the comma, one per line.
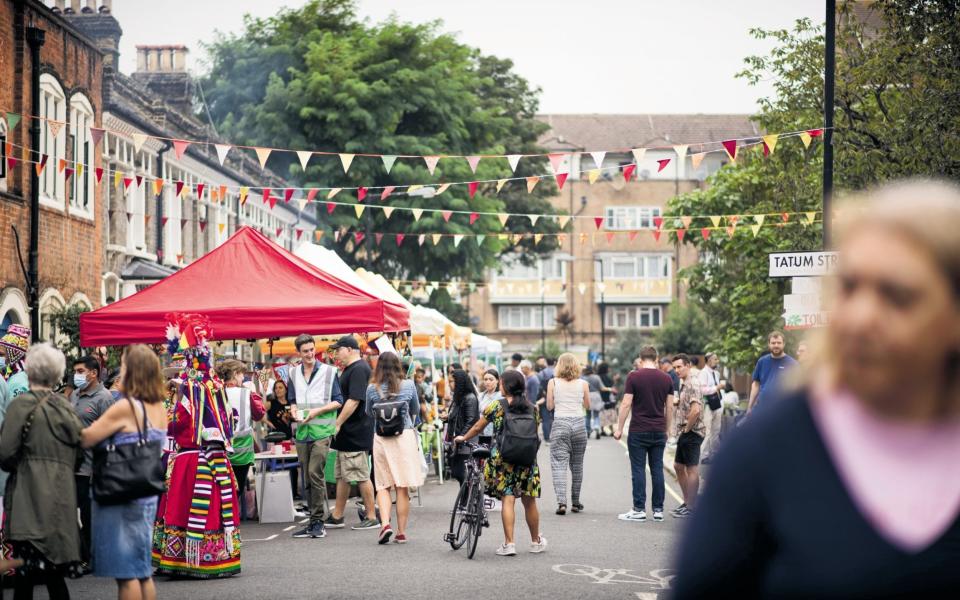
(110,289)
(53,109)
(51,301)
(80,186)
(13,309)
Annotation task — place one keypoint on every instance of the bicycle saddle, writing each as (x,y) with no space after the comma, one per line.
(481,452)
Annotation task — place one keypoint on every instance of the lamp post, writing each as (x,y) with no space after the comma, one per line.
(543,317)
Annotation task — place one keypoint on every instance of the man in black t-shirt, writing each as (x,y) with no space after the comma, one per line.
(353,440)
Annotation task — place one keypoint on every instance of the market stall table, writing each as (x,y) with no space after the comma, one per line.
(274,496)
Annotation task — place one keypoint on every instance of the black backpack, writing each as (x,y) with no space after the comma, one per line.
(389,416)
(518,441)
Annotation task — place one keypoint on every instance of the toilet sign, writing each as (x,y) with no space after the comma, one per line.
(802,264)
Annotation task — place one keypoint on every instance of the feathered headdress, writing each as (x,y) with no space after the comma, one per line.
(187,336)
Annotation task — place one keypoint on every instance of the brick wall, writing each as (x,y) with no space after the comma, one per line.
(71,248)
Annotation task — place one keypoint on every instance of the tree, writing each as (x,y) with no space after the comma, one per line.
(626,350)
(565,320)
(897,96)
(550,350)
(684,330)
(66,323)
(317,78)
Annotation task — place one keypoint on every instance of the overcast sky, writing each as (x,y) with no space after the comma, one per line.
(595,56)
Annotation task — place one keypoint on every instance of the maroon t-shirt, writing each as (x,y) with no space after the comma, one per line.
(650,388)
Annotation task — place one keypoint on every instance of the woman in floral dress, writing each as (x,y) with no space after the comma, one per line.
(505,481)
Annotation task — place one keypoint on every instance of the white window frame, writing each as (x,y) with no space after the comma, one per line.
(82,198)
(632,316)
(173,211)
(136,206)
(631,218)
(526,317)
(53,105)
(544,269)
(643,266)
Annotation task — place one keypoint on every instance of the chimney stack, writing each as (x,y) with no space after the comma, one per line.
(97,24)
(163,69)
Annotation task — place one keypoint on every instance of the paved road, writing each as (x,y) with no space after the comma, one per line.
(349,564)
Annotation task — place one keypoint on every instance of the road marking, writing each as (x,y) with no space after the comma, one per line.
(291,527)
(658,579)
(675,495)
(266,539)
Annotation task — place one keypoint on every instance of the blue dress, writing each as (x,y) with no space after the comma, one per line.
(122,535)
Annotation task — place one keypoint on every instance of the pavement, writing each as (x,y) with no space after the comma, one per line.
(590,555)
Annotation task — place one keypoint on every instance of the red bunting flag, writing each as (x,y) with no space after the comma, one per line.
(378,237)
(203,224)
(610,236)
(179,188)
(785,216)
(561,179)
(182,223)
(681,233)
(330,207)
(815,132)
(312,194)
(633,235)
(598,221)
(200,187)
(273,201)
(11,162)
(361,193)
(657,222)
(400,237)
(358,237)
(628,171)
(663,162)
(266,195)
(99,172)
(473,218)
(387,191)
(126,182)
(731,147)
(180,146)
(287,194)
(163,221)
(472,188)
(279,230)
(67,173)
(705,232)
(139,181)
(446,215)
(179,258)
(299,233)
(656,234)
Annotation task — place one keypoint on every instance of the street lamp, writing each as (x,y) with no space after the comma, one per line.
(603,313)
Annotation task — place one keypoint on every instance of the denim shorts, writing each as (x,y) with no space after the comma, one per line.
(121,539)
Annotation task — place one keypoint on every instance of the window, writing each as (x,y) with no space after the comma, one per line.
(136,208)
(633,317)
(636,266)
(527,317)
(81,147)
(626,218)
(552,268)
(53,106)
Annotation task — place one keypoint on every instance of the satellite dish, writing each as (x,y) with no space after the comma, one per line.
(618,182)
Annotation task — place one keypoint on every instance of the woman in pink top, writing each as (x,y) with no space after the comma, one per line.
(850,486)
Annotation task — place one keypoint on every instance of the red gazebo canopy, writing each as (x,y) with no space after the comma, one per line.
(249,288)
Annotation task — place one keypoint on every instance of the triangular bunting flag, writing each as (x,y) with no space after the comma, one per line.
(126,183)
(311,194)
(562,220)
(715,221)
(658,222)
(731,147)
(54,126)
(361,193)
(598,159)
(61,165)
(200,187)
(333,192)
(138,140)
(638,154)
(500,184)
(443,187)
(117,178)
(480,239)
(182,223)
(785,216)
(593,175)
(96,134)
(223,193)
(731,230)
(537,237)
(330,207)
(358,208)
(532,183)
(628,171)
(633,235)
(222,150)
(473,218)
(273,201)
(656,234)
(446,215)
(534,219)
(378,237)
(387,211)
(388,161)
(179,147)
(598,221)
(759,219)
(299,233)
(244,191)
(287,195)
(221,227)
(421,238)
(266,195)
(262,155)
(317,234)
(686,220)
(561,239)
(431,163)
(811,216)
(301,203)
(67,173)
(806,138)
(770,143)
(13,119)
(387,191)
(436,237)
(472,188)
(663,162)
(163,221)
(473,161)
(99,173)
(203,224)
(514,160)
(733,219)
(400,237)
(815,132)
(681,150)
(417,213)
(304,156)
(358,236)
(345,160)
(755,229)
(129,216)
(561,179)
(40,165)
(157,186)
(179,188)
(696,159)
(705,232)
(411,189)
(503,219)
(555,161)
(457,239)
(582,288)
(610,235)
(681,233)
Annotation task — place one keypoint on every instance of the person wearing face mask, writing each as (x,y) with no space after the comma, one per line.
(90,401)
(247,409)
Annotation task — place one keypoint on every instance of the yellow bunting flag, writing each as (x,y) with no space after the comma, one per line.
(715,221)
(436,238)
(562,220)
(243,194)
(221,227)
(686,222)
(387,211)
(262,155)
(117,176)
(417,213)
(333,192)
(503,219)
(593,175)
(414,188)
(358,208)
(583,239)
(770,142)
(502,237)
(755,229)
(811,216)
(500,184)
(345,160)
(537,237)
(806,138)
(759,219)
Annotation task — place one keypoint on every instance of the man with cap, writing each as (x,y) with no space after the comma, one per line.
(353,440)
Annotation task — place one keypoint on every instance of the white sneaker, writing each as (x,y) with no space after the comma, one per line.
(538,547)
(507,550)
(637,516)
(658,515)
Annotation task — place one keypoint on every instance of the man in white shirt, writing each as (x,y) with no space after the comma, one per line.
(711,387)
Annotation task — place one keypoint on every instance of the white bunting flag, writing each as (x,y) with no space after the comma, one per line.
(304,156)
(514,160)
(222,150)
(388,161)
(598,158)
(473,161)
(345,160)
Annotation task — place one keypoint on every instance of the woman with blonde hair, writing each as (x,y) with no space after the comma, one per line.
(122,533)
(567,396)
(861,497)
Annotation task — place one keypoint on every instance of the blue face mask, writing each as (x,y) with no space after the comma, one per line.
(79,381)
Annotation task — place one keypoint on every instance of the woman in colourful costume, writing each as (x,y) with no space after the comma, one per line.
(197,532)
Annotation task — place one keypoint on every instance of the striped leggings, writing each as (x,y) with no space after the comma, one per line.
(568,442)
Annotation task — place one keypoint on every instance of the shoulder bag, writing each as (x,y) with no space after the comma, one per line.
(128,471)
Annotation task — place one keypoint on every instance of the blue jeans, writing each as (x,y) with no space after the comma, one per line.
(641,446)
(591,419)
(546,421)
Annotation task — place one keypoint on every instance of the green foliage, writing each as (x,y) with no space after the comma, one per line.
(550,350)
(66,322)
(620,357)
(897,99)
(316,77)
(684,330)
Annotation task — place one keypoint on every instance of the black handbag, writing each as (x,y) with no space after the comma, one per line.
(128,471)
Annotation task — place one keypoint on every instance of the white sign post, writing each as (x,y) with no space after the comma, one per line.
(802,264)
(802,309)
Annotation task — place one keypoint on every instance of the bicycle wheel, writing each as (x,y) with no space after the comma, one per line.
(477,513)
(460,526)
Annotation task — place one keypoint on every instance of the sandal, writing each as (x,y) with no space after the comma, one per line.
(562,509)
(577,508)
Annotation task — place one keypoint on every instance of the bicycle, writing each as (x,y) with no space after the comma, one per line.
(469,511)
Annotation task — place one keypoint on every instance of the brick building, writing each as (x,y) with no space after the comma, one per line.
(608,287)
(70,241)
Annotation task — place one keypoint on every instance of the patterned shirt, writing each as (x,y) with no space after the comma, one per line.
(690,394)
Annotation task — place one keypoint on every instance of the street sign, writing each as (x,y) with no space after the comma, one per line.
(802,264)
(806,285)
(801,303)
(806,320)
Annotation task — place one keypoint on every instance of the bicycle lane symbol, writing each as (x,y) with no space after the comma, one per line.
(657,579)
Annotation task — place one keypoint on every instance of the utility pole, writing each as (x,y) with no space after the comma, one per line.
(830,62)
(35,39)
